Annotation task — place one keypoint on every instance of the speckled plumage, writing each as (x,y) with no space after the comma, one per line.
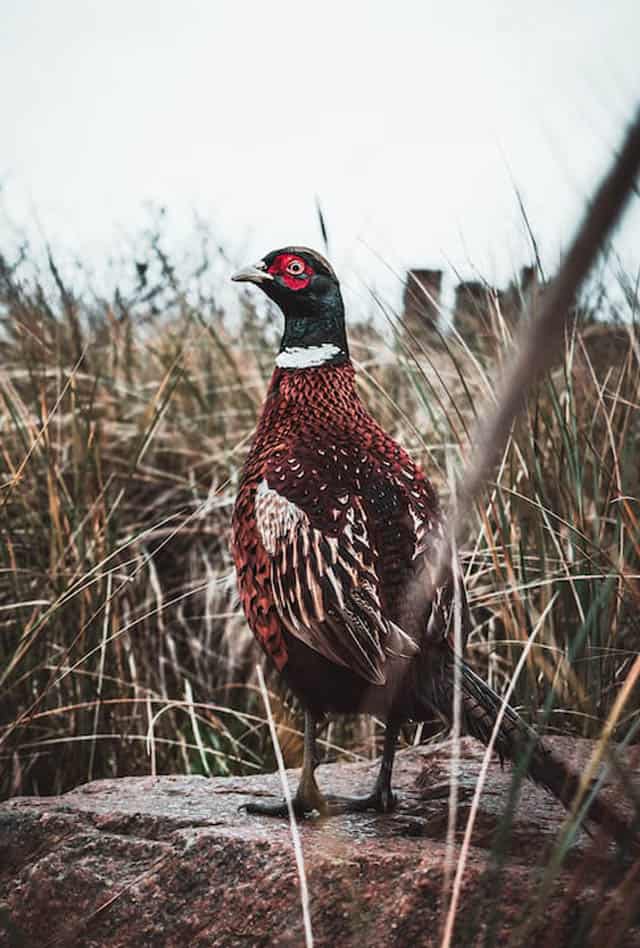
(332,531)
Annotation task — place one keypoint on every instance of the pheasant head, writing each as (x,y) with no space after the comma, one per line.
(304,285)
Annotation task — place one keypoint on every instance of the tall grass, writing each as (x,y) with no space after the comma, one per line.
(124,422)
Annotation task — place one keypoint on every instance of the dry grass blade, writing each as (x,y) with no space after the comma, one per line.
(295,833)
(542,339)
(482,776)
(456,729)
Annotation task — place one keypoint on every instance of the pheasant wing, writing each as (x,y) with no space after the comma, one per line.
(323,576)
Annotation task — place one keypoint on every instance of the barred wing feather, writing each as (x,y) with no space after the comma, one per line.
(325,585)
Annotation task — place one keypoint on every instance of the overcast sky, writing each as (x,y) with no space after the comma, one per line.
(412,121)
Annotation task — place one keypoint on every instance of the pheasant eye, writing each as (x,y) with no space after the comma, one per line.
(296,267)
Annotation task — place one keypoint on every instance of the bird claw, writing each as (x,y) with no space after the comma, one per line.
(332,805)
(280,810)
(382,801)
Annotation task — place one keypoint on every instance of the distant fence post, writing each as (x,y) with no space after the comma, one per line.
(421,301)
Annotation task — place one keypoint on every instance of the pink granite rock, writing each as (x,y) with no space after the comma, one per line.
(173,861)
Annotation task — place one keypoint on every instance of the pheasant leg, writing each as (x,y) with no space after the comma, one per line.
(382,797)
(308,796)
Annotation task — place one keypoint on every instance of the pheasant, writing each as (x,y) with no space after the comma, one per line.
(334,534)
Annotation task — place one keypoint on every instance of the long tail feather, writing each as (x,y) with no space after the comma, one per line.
(517,741)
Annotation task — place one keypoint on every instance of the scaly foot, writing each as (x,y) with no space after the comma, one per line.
(307,799)
(382,800)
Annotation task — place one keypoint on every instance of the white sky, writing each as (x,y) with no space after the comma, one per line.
(410,120)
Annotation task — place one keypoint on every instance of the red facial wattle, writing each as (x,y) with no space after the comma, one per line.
(281,268)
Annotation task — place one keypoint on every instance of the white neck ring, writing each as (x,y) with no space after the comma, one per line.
(306,357)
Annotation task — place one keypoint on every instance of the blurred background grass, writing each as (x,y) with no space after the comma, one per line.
(125,418)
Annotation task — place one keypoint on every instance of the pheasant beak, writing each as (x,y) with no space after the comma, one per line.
(256,274)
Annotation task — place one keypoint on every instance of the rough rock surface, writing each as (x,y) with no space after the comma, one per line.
(173,861)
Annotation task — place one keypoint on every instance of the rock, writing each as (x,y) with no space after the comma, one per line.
(173,861)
